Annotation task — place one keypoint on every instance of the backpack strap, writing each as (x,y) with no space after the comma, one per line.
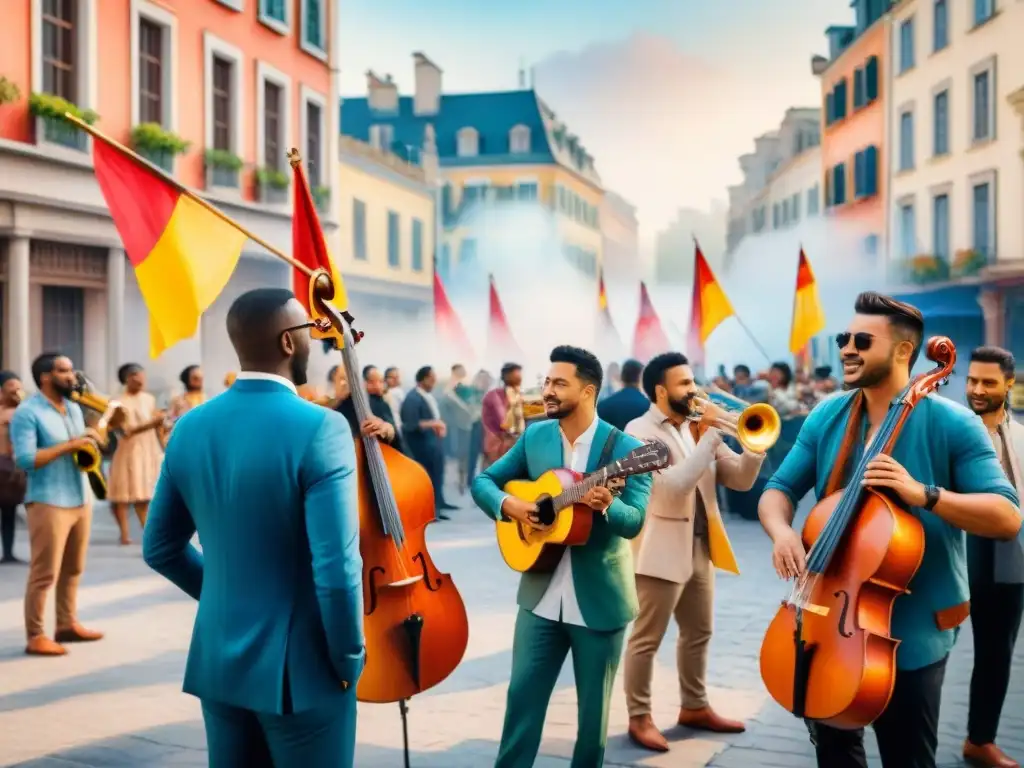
(609,446)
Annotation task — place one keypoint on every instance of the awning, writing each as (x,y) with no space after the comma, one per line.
(951,301)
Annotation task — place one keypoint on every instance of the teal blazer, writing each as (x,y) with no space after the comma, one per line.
(268,480)
(602,569)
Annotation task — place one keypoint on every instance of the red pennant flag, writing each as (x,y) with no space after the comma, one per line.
(649,339)
(450,333)
(708,308)
(308,244)
(609,343)
(500,341)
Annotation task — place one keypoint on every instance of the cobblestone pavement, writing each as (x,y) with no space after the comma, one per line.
(118,702)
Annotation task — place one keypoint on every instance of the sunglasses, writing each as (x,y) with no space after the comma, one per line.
(861,341)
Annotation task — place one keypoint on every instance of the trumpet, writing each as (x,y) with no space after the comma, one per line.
(757,426)
(19,395)
(112,417)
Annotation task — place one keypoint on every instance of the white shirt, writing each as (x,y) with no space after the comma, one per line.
(395,396)
(259,376)
(559,601)
(431,402)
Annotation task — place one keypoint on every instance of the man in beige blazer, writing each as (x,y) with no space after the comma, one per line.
(674,556)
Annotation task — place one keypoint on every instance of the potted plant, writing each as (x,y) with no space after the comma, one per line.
(158,145)
(272,186)
(9,91)
(222,168)
(927,268)
(49,110)
(968,261)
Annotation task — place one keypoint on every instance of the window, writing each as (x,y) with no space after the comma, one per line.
(314,132)
(394,244)
(906,141)
(222,103)
(794,207)
(983,108)
(382,136)
(275,14)
(60,49)
(940,226)
(907,44)
(871,79)
(64,321)
(859,88)
(813,201)
(836,185)
(836,102)
(444,262)
(358,230)
(865,173)
(982,210)
(527,190)
(940,28)
(223,86)
(940,138)
(417,245)
(983,11)
(273,121)
(776,217)
(519,140)
(314,28)
(830,108)
(151,79)
(908,231)
(468,142)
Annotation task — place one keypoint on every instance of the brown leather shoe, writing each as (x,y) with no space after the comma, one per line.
(41,645)
(644,733)
(76,633)
(706,719)
(988,756)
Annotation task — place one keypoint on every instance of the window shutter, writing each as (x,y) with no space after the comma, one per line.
(871,78)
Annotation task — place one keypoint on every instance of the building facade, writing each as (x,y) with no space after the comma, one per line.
(957,189)
(215,92)
(853,138)
(511,173)
(620,238)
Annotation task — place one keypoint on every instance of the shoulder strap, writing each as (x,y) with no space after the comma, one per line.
(837,478)
(609,446)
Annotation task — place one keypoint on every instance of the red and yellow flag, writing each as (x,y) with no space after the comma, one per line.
(309,246)
(808,314)
(710,305)
(450,333)
(183,253)
(649,337)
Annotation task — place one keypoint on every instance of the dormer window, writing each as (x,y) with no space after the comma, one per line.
(519,140)
(468,142)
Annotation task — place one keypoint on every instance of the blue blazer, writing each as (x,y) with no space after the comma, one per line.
(621,408)
(268,480)
(422,443)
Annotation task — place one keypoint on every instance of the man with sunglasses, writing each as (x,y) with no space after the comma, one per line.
(943,469)
(277,647)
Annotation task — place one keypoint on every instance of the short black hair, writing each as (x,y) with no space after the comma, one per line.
(1001,357)
(588,367)
(822,372)
(252,314)
(389,370)
(44,364)
(631,370)
(366,371)
(786,371)
(741,370)
(186,374)
(6,376)
(330,374)
(905,319)
(423,373)
(654,373)
(127,370)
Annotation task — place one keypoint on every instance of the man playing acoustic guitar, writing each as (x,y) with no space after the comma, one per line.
(586,603)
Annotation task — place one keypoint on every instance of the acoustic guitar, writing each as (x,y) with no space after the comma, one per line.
(557,494)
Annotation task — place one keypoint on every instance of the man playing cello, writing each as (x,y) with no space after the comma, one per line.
(944,470)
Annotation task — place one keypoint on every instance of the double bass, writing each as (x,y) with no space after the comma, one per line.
(414,620)
(829,654)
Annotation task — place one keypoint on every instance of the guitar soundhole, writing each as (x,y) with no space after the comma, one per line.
(545,510)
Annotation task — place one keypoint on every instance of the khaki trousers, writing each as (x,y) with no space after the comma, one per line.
(692,605)
(59,539)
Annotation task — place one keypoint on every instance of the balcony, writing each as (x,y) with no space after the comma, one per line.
(58,131)
(161,158)
(272,186)
(928,269)
(222,169)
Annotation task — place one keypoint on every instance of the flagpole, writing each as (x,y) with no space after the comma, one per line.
(188,193)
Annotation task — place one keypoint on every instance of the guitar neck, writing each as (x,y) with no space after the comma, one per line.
(575,493)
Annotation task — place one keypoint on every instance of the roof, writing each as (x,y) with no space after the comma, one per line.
(493,115)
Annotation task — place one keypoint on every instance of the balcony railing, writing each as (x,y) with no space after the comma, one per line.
(271,194)
(56,130)
(161,158)
(927,269)
(221,176)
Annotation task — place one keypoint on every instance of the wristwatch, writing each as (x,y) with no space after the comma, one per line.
(931,497)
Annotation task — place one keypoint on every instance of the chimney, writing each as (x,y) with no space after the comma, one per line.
(818,65)
(428,155)
(427,100)
(382,94)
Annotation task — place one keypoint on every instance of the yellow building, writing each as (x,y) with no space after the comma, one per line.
(499,155)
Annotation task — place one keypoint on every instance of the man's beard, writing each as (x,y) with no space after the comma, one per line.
(64,390)
(561,410)
(991,404)
(868,377)
(683,406)
(299,366)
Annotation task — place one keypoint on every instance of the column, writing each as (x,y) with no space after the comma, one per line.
(18,267)
(115,316)
(993,305)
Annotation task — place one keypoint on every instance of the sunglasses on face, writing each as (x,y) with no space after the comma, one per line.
(861,341)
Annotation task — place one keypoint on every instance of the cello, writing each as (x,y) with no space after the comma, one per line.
(829,654)
(414,619)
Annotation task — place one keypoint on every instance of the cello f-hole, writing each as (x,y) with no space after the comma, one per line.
(842,614)
(371,577)
(432,584)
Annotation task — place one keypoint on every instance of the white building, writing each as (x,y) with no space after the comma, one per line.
(620,235)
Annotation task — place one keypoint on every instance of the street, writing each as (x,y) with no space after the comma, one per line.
(119,702)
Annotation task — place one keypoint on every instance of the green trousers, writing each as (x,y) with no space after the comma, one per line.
(539,648)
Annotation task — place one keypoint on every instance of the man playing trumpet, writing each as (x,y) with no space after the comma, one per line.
(46,432)
(682,541)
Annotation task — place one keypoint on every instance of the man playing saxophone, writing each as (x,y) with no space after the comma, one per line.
(47,431)
(682,542)
(502,414)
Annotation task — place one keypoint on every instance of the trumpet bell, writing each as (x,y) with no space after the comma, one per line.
(758,427)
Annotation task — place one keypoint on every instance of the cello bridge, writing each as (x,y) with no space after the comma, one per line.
(405,582)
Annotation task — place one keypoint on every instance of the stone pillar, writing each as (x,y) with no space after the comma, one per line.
(19,357)
(115,315)
(993,307)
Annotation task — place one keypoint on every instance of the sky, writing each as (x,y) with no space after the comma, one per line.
(666,94)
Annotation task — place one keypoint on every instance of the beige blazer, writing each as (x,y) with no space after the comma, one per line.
(664,548)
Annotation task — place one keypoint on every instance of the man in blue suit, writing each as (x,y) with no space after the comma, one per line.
(629,403)
(268,480)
